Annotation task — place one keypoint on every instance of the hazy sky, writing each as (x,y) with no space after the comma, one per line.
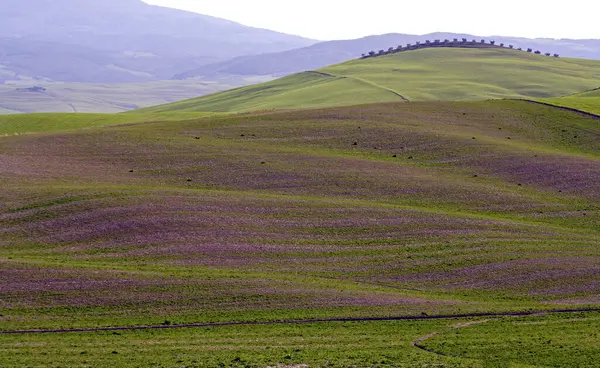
(338,19)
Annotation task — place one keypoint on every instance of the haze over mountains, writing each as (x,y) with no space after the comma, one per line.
(119,40)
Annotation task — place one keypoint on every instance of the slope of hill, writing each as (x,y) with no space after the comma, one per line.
(594,93)
(333,52)
(395,209)
(17,124)
(119,40)
(586,101)
(430,74)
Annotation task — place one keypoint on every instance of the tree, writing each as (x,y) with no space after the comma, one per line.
(556,55)
(364,56)
(529,50)
(427,42)
(538,52)
(520,49)
(372,53)
(455,40)
(464,40)
(501,45)
(381,52)
(492,42)
(547,54)
(391,49)
(511,46)
(482,41)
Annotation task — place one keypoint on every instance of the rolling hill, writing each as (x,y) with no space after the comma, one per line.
(119,41)
(440,216)
(324,54)
(422,75)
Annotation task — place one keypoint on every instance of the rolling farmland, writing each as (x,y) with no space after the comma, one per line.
(412,209)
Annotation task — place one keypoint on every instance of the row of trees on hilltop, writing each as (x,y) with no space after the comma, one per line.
(465,43)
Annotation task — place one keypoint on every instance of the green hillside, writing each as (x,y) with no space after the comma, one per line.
(304,90)
(586,101)
(423,75)
(392,209)
(595,93)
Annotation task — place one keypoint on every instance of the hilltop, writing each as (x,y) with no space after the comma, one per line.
(119,41)
(420,75)
(463,43)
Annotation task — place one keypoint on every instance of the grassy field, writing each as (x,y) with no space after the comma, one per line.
(106,98)
(304,90)
(563,341)
(376,210)
(15,124)
(587,101)
(423,75)
(474,343)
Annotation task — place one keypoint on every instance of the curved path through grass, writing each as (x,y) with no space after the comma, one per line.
(308,321)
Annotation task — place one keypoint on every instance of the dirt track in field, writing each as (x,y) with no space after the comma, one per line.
(306,321)
(417,342)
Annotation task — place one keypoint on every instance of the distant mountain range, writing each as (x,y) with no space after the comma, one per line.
(333,52)
(119,41)
(129,41)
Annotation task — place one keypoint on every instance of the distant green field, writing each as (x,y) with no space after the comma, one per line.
(52,122)
(107,98)
(587,101)
(423,75)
